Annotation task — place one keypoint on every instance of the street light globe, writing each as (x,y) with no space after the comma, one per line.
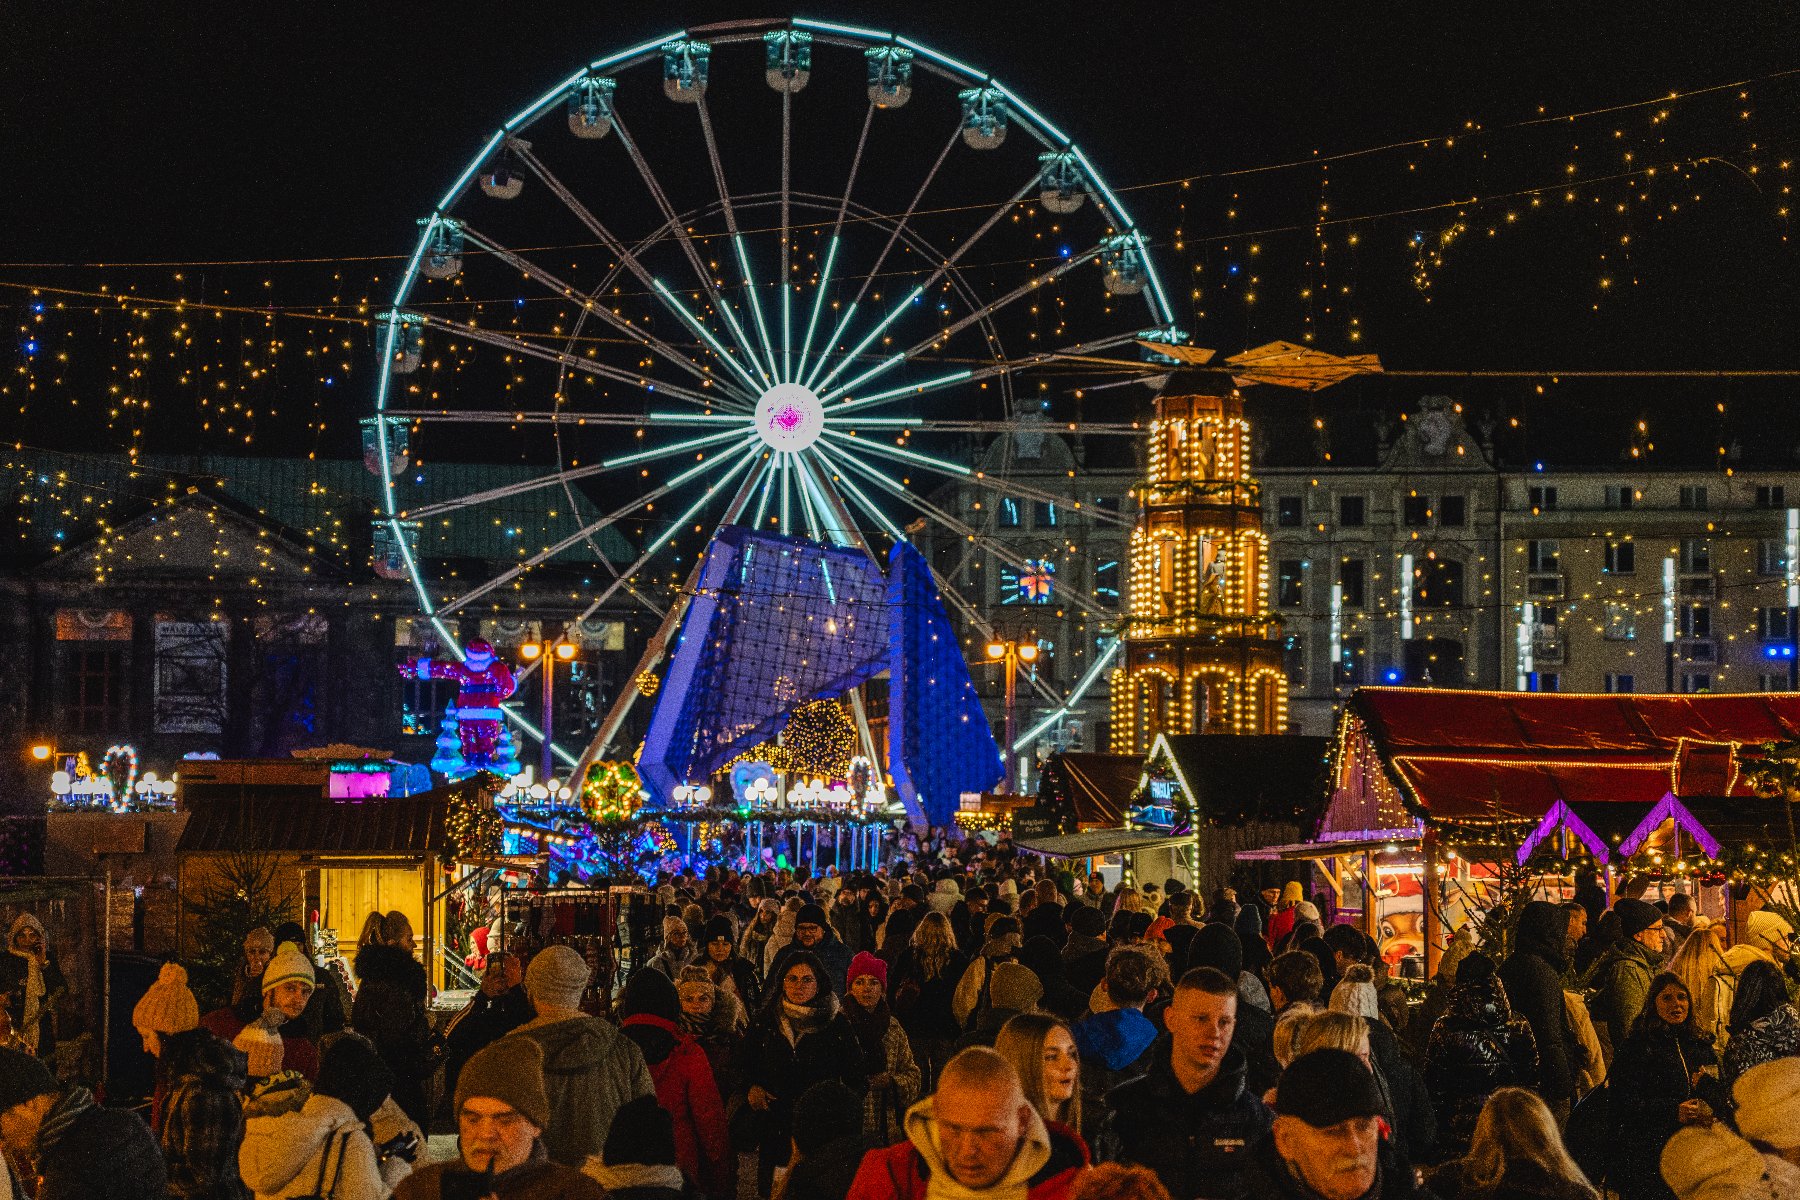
(1028,652)
(565,650)
(530,650)
(41,752)
(996,649)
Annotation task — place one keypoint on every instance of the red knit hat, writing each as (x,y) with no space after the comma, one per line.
(866,964)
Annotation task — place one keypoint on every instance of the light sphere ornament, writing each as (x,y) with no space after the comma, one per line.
(789,418)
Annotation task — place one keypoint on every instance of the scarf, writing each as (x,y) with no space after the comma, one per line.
(65,1112)
(798,1020)
(870,1026)
(633,1175)
(32,1018)
(696,1027)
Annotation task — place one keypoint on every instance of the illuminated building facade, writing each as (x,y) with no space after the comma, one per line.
(1202,653)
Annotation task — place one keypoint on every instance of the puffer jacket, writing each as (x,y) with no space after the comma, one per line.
(1476,1047)
(590,1070)
(390,1011)
(1532,974)
(687,1091)
(1198,1144)
(320,1150)
(1769,1038)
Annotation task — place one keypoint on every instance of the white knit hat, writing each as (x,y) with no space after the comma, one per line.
(288,963)
(1355,994)
(1766,930)
(262,1046)
(1709,1162)
(1768,1103)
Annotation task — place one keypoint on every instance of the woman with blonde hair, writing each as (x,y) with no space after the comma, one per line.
(1701,967)
(1041,1049)
(1516,1151)
(1333,1031)
(925,976)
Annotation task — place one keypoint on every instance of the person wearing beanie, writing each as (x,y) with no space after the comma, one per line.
(590,1068)
(727,968)
(1217,945)
(246,982)
(799,1037)
(639,1160)
(1281,920)
(503,1111)
(894,1075)
(77,1149)
(1620,982)
(271,1037)
(1084,954)
(328,1011)
(677,951)
(828,1144)
(1327,1139)
(1476,1048)
(202,1119)
(1767,936)
(389,1010)
(650,1015)
(166,1007)
(813,933)
(1709,1162)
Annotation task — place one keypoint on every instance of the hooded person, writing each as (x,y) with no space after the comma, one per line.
(1477,1047)
(202,1125)
(1017,1158)
(31,983)
(1767,936)
(77,1149)
(272,1039)
(323,1148)
(1218,946)
(639,1159)
(1012,990)
(650,1015)
(246,982)
(972,990)
(589,1067)
(502,1110)
(1532,975)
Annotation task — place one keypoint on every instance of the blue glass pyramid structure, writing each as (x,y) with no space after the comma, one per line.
(779,621)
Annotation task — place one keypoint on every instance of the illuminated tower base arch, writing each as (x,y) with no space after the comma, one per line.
(1201,648)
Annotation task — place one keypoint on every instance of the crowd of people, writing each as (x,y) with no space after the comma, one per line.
(968,1026)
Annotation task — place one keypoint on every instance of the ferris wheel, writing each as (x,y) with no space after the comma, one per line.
(775,273)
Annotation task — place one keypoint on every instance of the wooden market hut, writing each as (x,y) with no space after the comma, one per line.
(344,857)
(1417,773)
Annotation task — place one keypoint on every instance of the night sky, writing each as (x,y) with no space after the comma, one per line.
(310,137)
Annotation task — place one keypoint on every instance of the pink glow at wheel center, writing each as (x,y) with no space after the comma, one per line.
(789,417)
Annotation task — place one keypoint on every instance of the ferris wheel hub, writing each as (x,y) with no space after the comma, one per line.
(789,417)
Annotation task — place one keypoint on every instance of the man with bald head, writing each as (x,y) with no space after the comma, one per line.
(975,1138)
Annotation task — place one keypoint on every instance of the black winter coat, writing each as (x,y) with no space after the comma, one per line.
(1476,1047)
(825,1173)
(1266,1177)
(1522,1181)
(923,1005)
(1533,974)
(1415,1118)
(98,1154)
(389,1010)
(1651,1076)
(785,1070)
(1198,1144)
(833,955)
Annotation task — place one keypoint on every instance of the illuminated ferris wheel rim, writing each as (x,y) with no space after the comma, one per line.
(791,407)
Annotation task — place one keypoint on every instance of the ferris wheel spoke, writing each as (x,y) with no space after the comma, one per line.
(951,330)
(501,493)
(565,291)
(831,248)
(737,240)
(506,341)
(840,478)
(976,375)
(674,303)
(765,492)
(874,271)
(712,439)
(906,301)
(688,248)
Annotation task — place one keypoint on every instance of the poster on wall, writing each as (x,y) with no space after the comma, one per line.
(190,676)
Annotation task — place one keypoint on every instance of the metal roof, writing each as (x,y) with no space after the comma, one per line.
(1096,842)
(403,827)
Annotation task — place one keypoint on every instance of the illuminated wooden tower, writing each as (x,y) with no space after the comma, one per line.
(1201,654)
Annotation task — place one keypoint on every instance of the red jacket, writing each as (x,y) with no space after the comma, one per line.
(899,1173)
(297,1050)
(686,1089)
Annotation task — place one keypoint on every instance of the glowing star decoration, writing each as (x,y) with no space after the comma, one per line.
(613,792)
(789,418)
(483,681)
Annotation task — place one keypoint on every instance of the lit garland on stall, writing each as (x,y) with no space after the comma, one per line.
(476,827)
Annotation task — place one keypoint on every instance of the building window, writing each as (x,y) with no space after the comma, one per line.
(1542,556)
(1031,582)
(1290,512)
(1771,558)
(1107,504)
(1543,498)
(1106,583)
(1696,681)
(1772,681)
(1350,580)
(1044,514)
(93,688)
(1453,511)
(1010,516)
(1771,495)
(1350,511)
(1696,620)
(1621,622)
(190,676)
(1772,625)
(1545,681)
(1693,495)
(1353,667)
(1290,583)
(1621,558)
(1415,510)
(1620,685)
(1438,583)
(1293,660)
(1620,495)
(1696,557)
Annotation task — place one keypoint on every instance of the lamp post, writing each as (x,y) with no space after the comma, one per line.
(1012,654)
(545,653)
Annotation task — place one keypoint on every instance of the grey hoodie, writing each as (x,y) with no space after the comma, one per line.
(590,1069)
